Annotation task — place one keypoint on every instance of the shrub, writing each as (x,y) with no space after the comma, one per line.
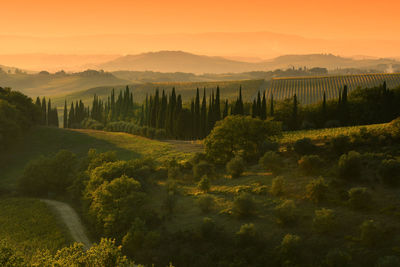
(269,145)
(340,144)
(310,164)
(278,186)
(235,167)
(290,246)
(271,161)
(204,184)
(206,203)
(239,133)
(350,165)
(370,232)
(316,190)
(208,228)
(246,234)
(174,172)
(359,198)
(244,205)
(203,168)
(390,172)
(324,220)
(285,212)
(304,146)
(337,258)
(198,157)
(388,261)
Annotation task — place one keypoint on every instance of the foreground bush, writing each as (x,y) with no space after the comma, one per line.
(340,144)
(316,190)
(204,184)
(370,232)
(324,220)
(203,168)
(235,167)
(360,198)
(272,161)
(239,133)
(285,213)
(206,203)
(304,146)
(310,164)
(337,258)
(290,247)
(246,234)
(350,165)
(244,205)
(390,172)
(278,186)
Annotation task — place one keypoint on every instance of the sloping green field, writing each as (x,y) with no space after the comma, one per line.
(47,141)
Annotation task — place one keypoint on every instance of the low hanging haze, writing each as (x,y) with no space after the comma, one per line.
(247,30)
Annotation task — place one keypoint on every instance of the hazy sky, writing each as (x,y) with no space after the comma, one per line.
(316,19)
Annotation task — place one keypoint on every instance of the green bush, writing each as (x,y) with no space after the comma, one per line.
(203,168)
(388,261)
(304,146)
(269,145)
(272,161)
(316,190)
(340,144)
(246,234)
(235,167)
(350,165)
(360,198)
(239,133)
(206,203)
(390,172)
(278,186)
(290,247)
(204,184)
(324,220)
(337,258)
(370,232)
(244,205)
(285,213)
(310,164)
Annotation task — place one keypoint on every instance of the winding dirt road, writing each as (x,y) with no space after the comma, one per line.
(71,220)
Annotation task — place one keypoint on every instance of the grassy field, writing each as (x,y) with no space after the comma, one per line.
(47,141)
(29,225)
(326,133)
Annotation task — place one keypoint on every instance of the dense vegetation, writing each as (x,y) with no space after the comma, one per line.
(17,115)
(191,213)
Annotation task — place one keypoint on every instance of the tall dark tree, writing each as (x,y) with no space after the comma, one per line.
(44,111)
(263,114)
(203,115)
(217,106)
(271,105)
(197,116)
(294,119)
(226,109)
(65,118)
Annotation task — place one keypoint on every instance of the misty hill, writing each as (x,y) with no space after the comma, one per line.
(178,61)
(47,84)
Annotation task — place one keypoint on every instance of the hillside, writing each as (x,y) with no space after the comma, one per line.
(178,61)
(310,90)
(229,90)
(46,84)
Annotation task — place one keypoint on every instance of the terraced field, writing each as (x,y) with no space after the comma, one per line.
(310,90)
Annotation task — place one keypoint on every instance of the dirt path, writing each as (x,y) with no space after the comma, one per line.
(71,220)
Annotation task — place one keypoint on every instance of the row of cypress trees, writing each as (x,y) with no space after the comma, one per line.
(49,115)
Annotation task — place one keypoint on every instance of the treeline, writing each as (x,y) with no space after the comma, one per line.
(17,115)
(49,115)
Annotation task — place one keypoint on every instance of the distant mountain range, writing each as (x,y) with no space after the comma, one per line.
(178,61)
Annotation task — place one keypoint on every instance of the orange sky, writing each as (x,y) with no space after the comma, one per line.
(322,19)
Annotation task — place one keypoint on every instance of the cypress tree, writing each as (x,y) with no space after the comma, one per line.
(217,106)
(254,109)
(324,109)
(225,113)
(71,116)
(263,114)
(240,103)
(38,103)
(49,117)
(203,115)
(294,113)
(65,120)
(44,111)
(197,124)
(258,105)
(210,116)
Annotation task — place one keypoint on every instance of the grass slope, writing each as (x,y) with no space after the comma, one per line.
(28,225)
(47,141)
